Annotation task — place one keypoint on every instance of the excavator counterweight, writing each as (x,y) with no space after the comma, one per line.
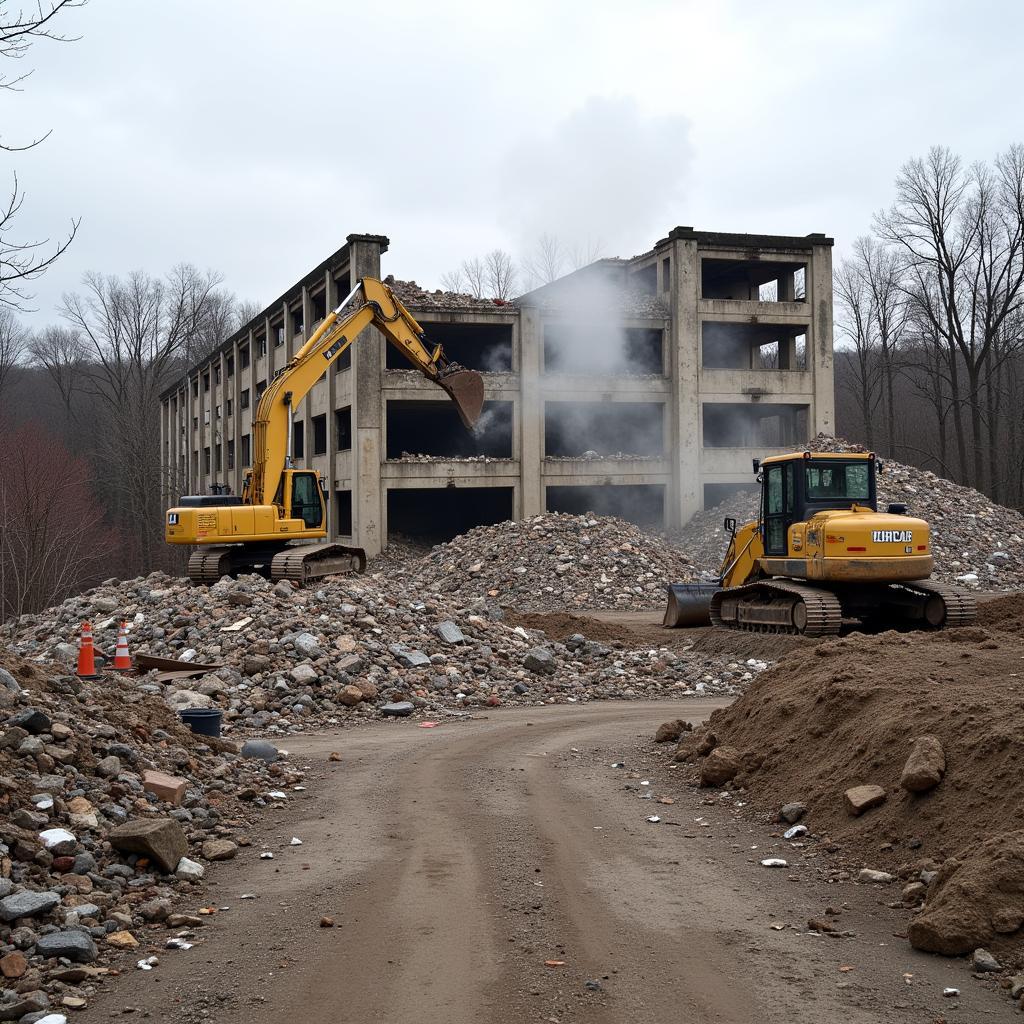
(821,554)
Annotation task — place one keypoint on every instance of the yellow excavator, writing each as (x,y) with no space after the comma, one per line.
(820,553)
(281,505)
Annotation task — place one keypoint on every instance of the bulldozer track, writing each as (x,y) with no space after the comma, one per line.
(961,606)
(824,612)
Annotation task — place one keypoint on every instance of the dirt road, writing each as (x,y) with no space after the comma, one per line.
(456,861)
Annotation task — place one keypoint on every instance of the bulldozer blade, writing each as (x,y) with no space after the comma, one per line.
(466,389)
(689,604)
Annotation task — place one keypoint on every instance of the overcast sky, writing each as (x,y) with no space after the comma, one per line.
(252,137)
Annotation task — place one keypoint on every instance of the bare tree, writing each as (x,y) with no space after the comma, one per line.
(584,253)
(475,273)
(544,263)
(453,281)
(501,274)
(135,331)
(12,345)
(856,322)
(59,351)
(23,261)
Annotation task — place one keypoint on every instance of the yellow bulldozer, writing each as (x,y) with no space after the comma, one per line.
(821,554)
(273,526)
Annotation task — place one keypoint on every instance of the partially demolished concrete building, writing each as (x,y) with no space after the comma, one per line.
(638,387)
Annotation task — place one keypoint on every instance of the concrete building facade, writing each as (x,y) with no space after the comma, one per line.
(641,387)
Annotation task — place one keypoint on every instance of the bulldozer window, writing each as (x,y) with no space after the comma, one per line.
(847,481)
(306,504)
(778,507)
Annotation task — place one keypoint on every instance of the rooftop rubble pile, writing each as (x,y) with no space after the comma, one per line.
(553,562)
(354,647)
(109,811)
(412,295)
(901,753)
(975,543)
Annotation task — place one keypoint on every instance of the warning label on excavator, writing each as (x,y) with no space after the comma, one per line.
(205,522)
(892,536)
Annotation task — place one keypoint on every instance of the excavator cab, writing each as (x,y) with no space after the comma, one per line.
(304,498)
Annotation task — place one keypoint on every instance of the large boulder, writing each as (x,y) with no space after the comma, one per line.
(76,946)
(669,732)
(159,839)
(722,765)
(925,766)
(27,904)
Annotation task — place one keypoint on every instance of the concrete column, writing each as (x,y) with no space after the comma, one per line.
(531,413)
(237,421)
(332,440)
(685,497)
(819,340)
(204,479)
(369,502)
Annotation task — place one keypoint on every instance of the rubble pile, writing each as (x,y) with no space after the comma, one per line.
(110,811)
(902,753)
(976,543)
(553,562)
(415,297)
(282,659)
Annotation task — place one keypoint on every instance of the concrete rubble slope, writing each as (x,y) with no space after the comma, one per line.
(291,659)
(106,805)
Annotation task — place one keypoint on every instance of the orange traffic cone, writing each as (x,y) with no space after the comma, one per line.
(122,659)
(86,654)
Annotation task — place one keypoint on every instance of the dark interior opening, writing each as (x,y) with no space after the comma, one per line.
(591,348)
(643,504)
(753,280)
(434,428)
(483,347)
(607,428)
(343,515)
(343,428)
(440,513)
(746,346)
(735,494)
(734,425)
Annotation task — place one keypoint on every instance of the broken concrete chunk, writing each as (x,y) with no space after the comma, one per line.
(219,849)
(397,709)
(792,813)
(540,660)
(261,750)
(160,839)
(32,720)
(27,904)
(859,799)
(876,877)
(669,732)
(168,788)
(450,633)
(304,674)
(189,870)
(925,766)
(984,962)
(408,656)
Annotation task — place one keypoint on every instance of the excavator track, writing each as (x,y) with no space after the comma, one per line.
(959,607)
(782,607)
(304,562)
(208,565)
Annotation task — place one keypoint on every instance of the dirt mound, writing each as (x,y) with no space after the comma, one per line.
(555,561)
(1005,614)
(847,712)
(976,543)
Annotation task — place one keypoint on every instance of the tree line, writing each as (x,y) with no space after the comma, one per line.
(930,323)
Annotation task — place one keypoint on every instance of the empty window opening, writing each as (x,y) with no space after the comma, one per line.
(261,386)
(746,346)
(602,348)
(243,398)
(231,454)
(230,363)
(739,499)
(243,356)
(320,434)
(645,279)
(216,374)
(643,504)
(434,428)
(206,382)
(439,513)
(206,460)
(572,429)
(261,345)
(666,274)
(343,513)
(732,425)
(246,451)
(343,429)
(484,347)
(342,286)
(318,306)
(298,440)
(752,280)
(298,326)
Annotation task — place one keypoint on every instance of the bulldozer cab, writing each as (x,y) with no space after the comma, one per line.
(794,488)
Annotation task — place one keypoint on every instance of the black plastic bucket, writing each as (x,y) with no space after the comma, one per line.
(205,721)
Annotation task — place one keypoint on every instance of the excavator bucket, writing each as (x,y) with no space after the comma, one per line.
(466,389)
(689,604)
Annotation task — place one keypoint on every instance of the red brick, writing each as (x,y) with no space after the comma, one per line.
(165,787)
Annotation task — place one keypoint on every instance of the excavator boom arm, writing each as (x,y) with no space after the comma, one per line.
(381,308)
